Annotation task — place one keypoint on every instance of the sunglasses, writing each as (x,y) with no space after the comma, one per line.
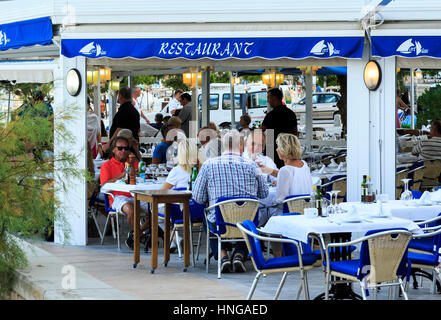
(122,148)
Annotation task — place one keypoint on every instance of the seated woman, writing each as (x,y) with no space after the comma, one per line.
(179,176)
(295,177)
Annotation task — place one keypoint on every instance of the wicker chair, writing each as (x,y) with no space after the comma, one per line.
(338,182)
(383,258)
(296,203)
(431,174)
(417,178)
(229,211)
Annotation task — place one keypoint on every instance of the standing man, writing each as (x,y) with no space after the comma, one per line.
(185,113)
(229,175)
(126,118)
(174,104)
(280,119)
(136,92)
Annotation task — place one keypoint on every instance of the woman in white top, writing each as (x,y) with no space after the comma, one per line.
(295,177)
(179,176)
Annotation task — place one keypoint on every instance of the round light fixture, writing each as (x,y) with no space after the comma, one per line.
(73,82)
(372,75)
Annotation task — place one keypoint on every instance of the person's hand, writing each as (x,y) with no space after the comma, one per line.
(265,169)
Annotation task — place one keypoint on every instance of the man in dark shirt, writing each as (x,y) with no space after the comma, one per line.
(280,119)
(127,117)
(185,113)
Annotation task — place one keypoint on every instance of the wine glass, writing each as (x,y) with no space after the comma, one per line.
(331,208)
(407,194)
(338,208)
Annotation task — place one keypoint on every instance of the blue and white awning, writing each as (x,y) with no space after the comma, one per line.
(216,48)
(406,43)
(26,33)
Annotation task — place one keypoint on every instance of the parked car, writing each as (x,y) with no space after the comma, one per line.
(324,106)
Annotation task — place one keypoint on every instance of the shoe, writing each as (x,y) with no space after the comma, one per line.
(238,264)
(129,241)
(173,247)
(225,265)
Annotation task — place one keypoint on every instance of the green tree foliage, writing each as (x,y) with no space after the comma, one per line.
(220,77)
(28,207)
(429,105)
(175,82)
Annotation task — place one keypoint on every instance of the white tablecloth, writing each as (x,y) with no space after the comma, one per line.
(396,208)
(300,227)
(122,187)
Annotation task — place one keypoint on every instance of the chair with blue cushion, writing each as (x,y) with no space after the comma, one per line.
(382,262)
(299,262)
(229,211)
(111,213)
(425,254)
(96,201)
(425,244)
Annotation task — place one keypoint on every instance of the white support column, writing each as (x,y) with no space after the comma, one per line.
(74,199)
(205,97)
(308,107)
(371,129)
(358,127)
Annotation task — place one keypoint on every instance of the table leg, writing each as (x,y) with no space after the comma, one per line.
(136,232)
(186,216)
(154,224)
(167,234)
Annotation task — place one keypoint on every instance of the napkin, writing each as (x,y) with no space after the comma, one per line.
(425,198)
(352,214)
(333,164)
(322,169)
(436,195)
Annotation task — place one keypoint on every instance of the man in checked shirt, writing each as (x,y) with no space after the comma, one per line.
(229,175)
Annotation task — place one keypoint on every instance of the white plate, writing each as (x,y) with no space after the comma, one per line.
(351,221)
(416,204)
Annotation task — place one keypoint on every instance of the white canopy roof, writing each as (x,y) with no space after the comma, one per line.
(27,71)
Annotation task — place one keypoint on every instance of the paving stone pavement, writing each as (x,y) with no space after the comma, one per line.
(115,269)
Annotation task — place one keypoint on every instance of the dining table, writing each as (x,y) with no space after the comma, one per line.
(336,228)
(149,191)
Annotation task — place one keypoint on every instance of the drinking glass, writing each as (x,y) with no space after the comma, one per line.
(407,194)
(330,208)
(337,207)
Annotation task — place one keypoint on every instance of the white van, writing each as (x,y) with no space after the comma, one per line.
(220,103)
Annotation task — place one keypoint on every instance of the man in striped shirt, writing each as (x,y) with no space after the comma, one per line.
(229,175)
(430,149)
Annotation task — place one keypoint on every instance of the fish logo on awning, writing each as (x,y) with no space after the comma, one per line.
(3,38)
(408,47)
(321,49)
(90,49)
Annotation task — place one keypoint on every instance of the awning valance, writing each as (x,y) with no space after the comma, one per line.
(26,33)
(406,43)
(216,48)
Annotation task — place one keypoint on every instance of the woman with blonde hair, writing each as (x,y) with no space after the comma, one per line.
(187,158)
(294,178)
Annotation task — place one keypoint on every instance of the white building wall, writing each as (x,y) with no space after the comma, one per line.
(74,199)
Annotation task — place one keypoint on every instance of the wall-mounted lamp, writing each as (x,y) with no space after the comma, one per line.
(418,74)
(190,78)
(372,75)
(73,82)
(114,85)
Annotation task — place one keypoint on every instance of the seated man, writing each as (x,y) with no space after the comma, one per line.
(158,121)
(430,149)
(112,171)
(229,175)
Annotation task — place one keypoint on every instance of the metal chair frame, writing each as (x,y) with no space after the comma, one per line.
(363,285)
(219,237)
(301,268)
